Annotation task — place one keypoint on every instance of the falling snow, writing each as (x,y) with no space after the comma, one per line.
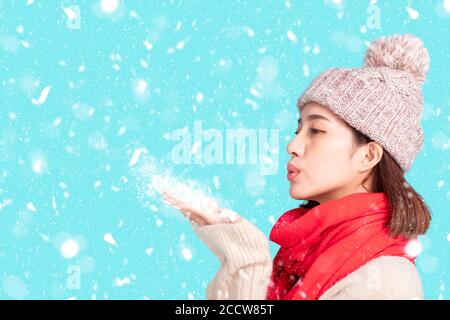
(89,130)
(109,239)
(413,248)
(187,254)
(42,97)
(69,248)
(413,14)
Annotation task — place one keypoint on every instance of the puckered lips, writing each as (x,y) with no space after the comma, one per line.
(292,171)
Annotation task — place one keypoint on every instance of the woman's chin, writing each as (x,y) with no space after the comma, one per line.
(296,194)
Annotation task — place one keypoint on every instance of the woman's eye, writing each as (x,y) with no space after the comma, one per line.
(312,130)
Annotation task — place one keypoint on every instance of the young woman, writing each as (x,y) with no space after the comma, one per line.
(358,134)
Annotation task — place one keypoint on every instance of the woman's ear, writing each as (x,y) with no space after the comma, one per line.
(373,152)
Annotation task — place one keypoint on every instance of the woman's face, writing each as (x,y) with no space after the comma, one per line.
(324,165)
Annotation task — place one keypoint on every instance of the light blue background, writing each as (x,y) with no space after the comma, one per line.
(86,187)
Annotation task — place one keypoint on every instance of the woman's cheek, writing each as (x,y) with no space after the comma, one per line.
(328,171)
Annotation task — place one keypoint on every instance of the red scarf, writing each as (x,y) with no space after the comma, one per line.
(321,245)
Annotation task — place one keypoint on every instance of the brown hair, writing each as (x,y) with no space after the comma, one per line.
(410,216)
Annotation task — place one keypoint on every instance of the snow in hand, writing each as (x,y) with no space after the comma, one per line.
(191,195)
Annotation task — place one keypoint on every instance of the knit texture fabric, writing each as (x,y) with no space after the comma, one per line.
(383,99)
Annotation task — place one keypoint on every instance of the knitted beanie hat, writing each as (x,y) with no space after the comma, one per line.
(383,99)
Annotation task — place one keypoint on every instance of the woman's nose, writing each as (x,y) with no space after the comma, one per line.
(295,147)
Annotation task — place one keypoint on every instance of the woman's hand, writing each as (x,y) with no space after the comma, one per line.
(205,213)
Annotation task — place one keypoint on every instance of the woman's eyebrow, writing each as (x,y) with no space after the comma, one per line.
(314,116)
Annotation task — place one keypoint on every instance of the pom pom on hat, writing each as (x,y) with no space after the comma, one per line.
(402,52)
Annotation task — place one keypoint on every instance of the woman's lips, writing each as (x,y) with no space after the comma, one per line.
(292,171)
